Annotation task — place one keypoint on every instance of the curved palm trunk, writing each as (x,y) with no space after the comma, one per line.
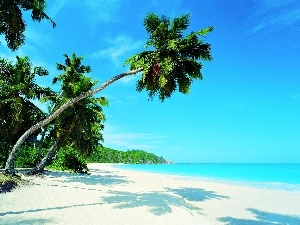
(45,161)
(41,147)
(9,167)
(38,160)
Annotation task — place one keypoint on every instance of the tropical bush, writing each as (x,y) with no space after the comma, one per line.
(69,159)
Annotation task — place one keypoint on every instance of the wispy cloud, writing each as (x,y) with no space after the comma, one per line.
(266,5)
(102,10)
(295,97)
(36,38)
(35,44)
(33,50)
(121,100)
(275,14)
(145,141)
(95,11)
(55,7)
(119,47)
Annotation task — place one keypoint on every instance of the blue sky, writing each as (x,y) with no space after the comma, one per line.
(247,107)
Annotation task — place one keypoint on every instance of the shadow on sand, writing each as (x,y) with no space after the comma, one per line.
(93,179)
(263,218)
(195,194)
(161,202)
(19,221)
(47,209)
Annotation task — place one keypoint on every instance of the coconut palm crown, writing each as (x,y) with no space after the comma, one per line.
(174,59)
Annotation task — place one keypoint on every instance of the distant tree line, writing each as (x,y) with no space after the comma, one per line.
(108,155)
(70,159)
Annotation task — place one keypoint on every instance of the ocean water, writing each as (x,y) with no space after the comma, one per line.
(275,176)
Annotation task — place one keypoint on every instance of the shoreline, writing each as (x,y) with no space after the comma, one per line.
(111,195)
(269,185)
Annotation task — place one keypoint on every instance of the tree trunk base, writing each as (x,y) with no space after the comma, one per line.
(35,171)
(10,174)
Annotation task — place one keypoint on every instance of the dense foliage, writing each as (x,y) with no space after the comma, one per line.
(18,89)
(81,124)
(108,155)
(69,158)
(12,24)
(172,63)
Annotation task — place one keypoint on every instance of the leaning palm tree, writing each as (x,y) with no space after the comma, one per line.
(80,125)
(171,64)
(17,90)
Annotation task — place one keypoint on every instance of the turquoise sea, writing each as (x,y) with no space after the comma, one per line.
(275,176)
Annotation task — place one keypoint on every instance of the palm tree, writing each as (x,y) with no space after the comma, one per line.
(171,64)
(17,89)
(12,24)
(85,117)
(79,125)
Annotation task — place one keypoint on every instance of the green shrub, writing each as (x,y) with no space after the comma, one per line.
(69,159)
(27,157)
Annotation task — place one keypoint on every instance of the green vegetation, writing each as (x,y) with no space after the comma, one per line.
(71,140)
(70,159)
(17,91)
(173,61)
(12,24)
(71,129)
(107,155)
(8,183)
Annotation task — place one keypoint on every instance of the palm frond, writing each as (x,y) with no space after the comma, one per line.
(175,59)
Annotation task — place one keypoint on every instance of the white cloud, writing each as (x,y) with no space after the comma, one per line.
(102,10)
(116,138)
(295,96)
(128,100)
(266,5)
(279,20)
(120,47)
(95,11)
(36,38)
(277,15)
(129,79)
(56,7)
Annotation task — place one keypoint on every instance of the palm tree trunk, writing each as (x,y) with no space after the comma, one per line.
(43,136)
(5,156)
(9,167)
(41,147)
(45,161)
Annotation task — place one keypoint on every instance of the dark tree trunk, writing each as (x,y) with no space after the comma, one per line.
(41,147)
(45,161)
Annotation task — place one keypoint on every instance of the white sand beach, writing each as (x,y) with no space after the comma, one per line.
(120,197)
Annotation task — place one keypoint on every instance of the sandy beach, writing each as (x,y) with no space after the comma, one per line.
(121,197)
